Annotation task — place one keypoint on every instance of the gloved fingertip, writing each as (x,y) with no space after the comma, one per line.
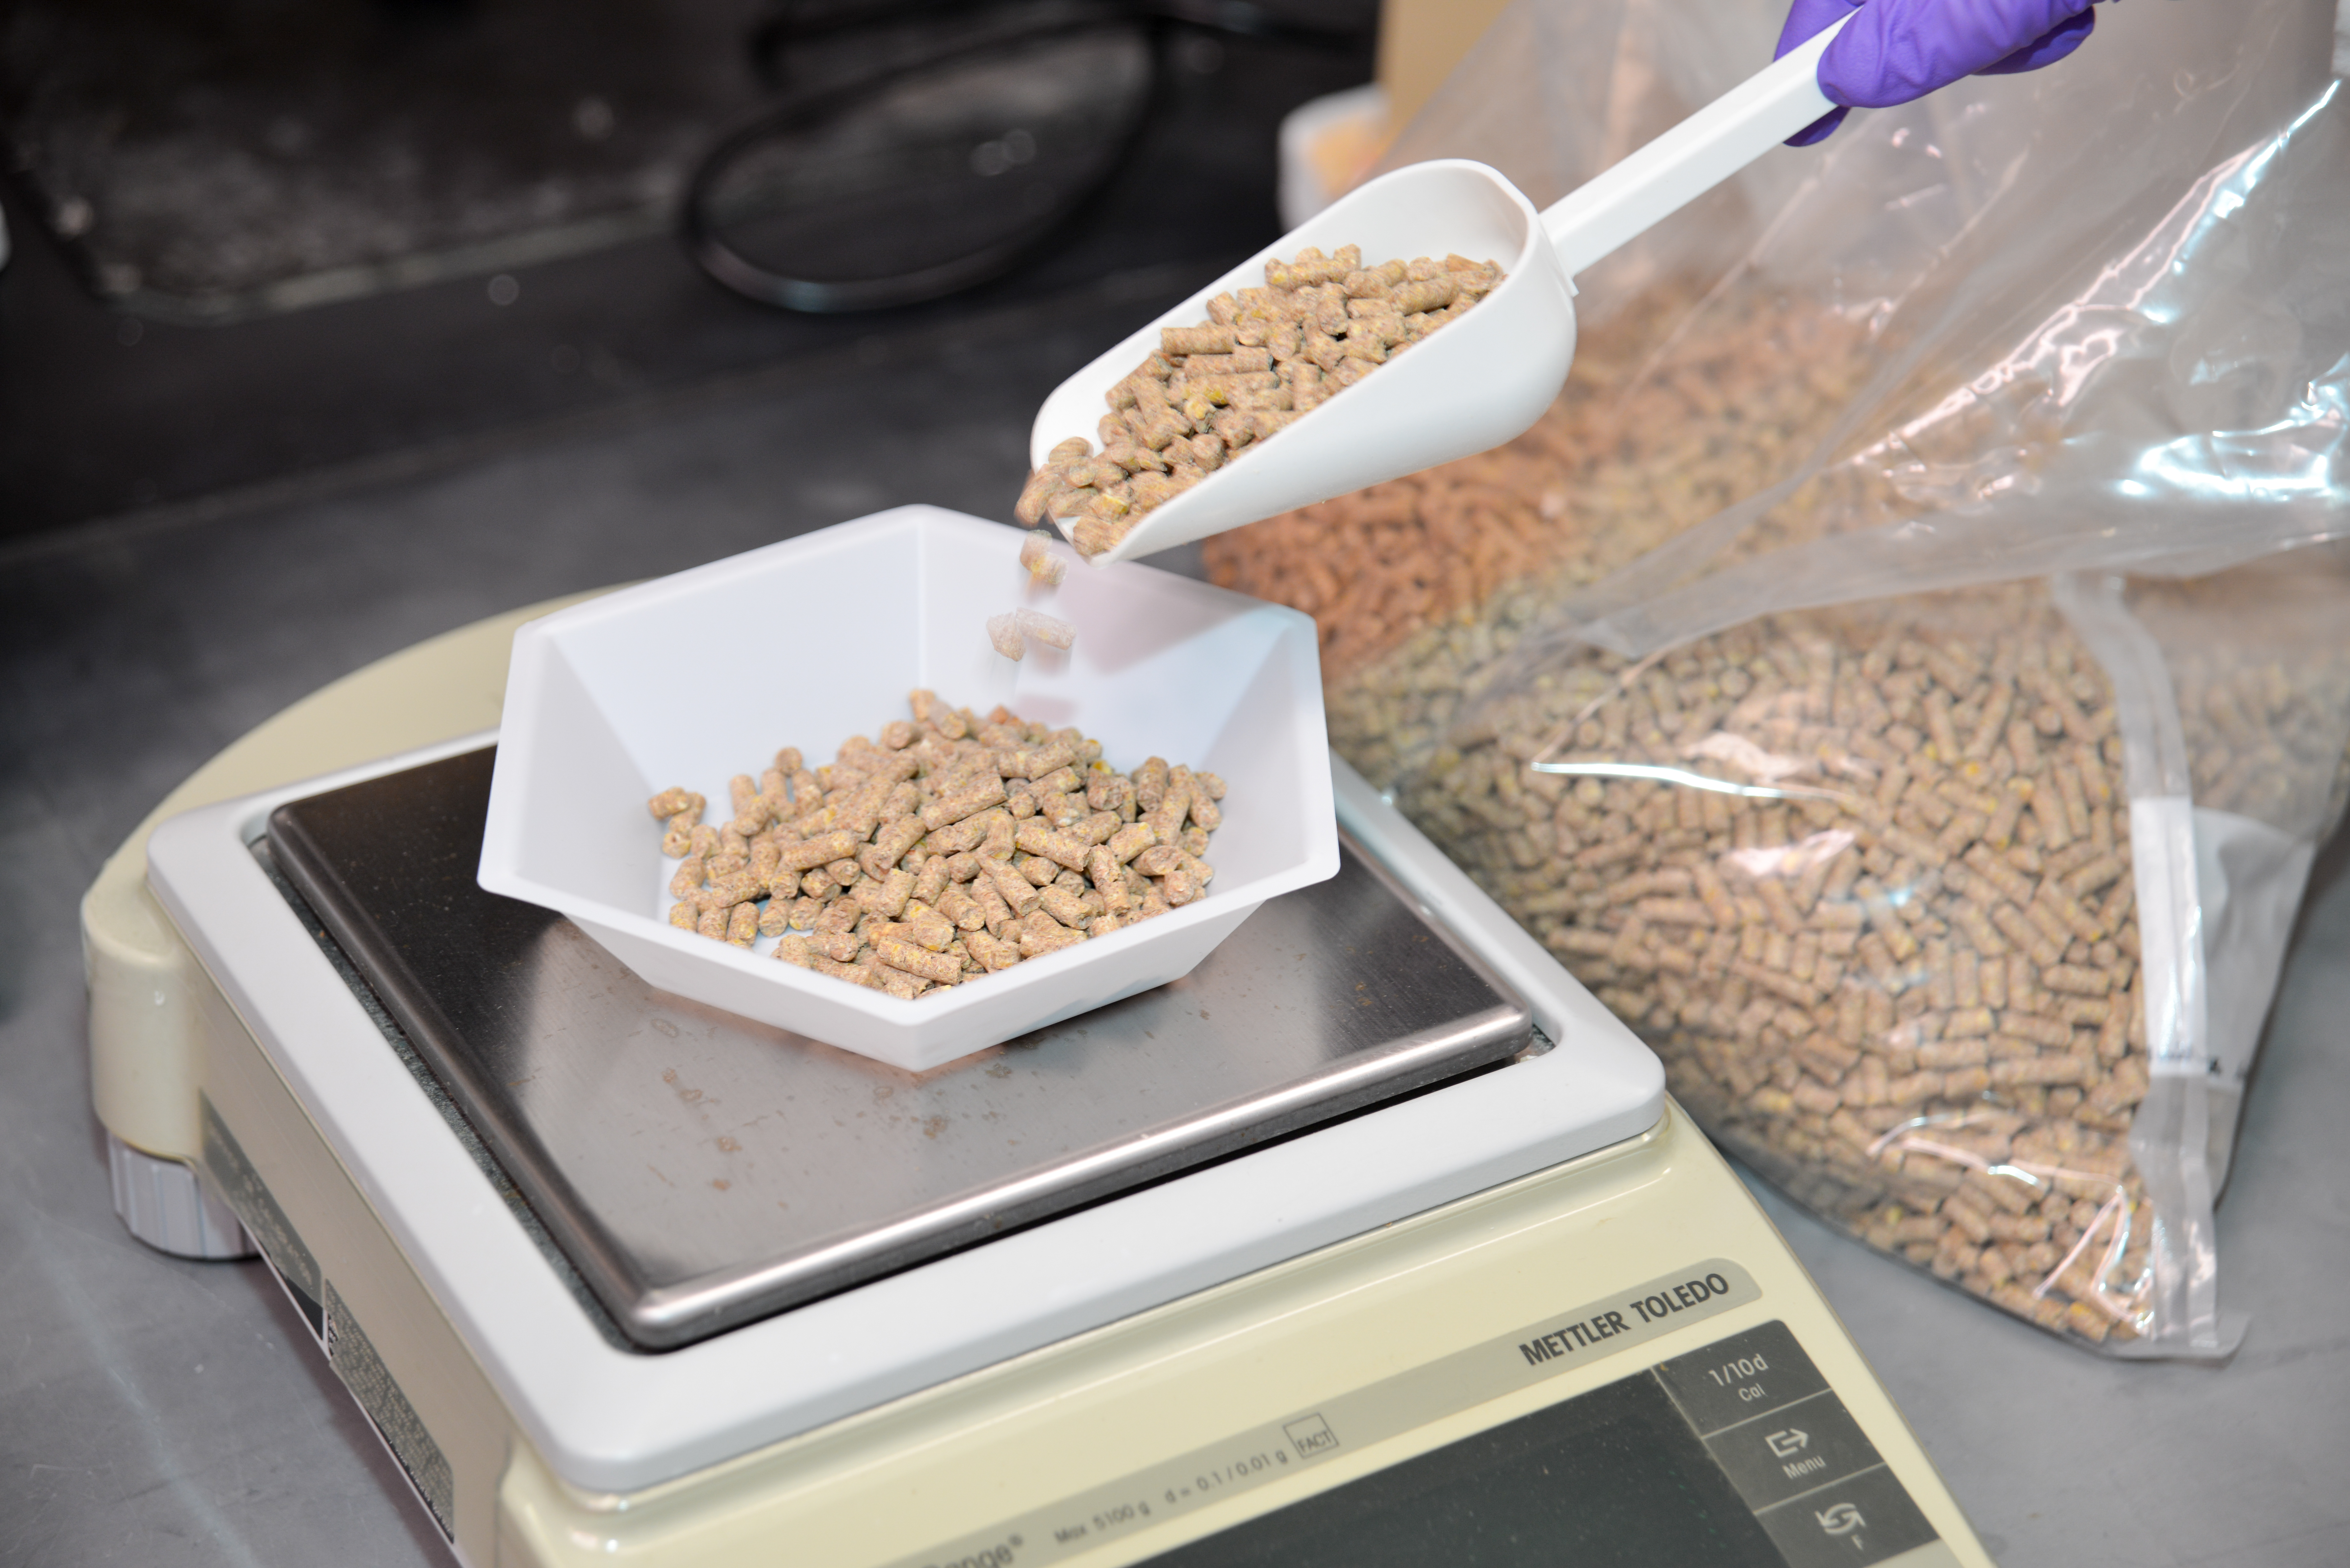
(1854,68)
(1819,131)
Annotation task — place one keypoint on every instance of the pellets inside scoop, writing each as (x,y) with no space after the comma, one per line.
(1265,358)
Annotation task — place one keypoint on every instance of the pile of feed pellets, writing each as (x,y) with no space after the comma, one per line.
(952,848)
(1869,897)
(1872,904)
(1265,358)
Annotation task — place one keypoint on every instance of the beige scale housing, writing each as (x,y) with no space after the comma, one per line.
(1526,1300)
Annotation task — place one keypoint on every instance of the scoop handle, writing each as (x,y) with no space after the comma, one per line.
(1590,222)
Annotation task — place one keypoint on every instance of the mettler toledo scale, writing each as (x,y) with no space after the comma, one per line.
(1376,1240)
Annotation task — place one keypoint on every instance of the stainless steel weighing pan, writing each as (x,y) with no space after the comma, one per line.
(700,1171)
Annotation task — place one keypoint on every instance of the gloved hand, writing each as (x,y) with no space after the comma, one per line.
(1897,50)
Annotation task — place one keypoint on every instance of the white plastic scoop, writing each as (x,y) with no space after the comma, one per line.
(1482,378)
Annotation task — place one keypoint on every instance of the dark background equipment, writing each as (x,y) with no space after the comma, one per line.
(269,249)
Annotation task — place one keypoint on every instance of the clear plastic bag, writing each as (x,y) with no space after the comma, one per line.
(1876,882)
(1903,675)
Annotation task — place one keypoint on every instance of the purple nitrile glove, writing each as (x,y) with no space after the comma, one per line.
(1897,50)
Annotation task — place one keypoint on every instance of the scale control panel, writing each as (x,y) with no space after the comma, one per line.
(1736,1455)
(1739,1454)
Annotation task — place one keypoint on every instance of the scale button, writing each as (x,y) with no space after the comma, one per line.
(1733,1380)
(1793,1450)
(1311,1436)
(1850,1523)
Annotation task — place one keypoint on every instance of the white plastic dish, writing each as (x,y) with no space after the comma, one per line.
(697,677)
(1488,376)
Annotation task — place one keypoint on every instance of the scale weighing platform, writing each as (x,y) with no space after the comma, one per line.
(1375,1240)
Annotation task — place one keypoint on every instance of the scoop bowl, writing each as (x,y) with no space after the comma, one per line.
(1485,377)
(1469,385)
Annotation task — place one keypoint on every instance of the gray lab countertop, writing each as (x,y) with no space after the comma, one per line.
(160,1412)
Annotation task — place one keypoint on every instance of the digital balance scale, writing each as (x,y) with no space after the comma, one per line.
(1376,1240)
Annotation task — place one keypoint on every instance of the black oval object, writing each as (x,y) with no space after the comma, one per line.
(934,180)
